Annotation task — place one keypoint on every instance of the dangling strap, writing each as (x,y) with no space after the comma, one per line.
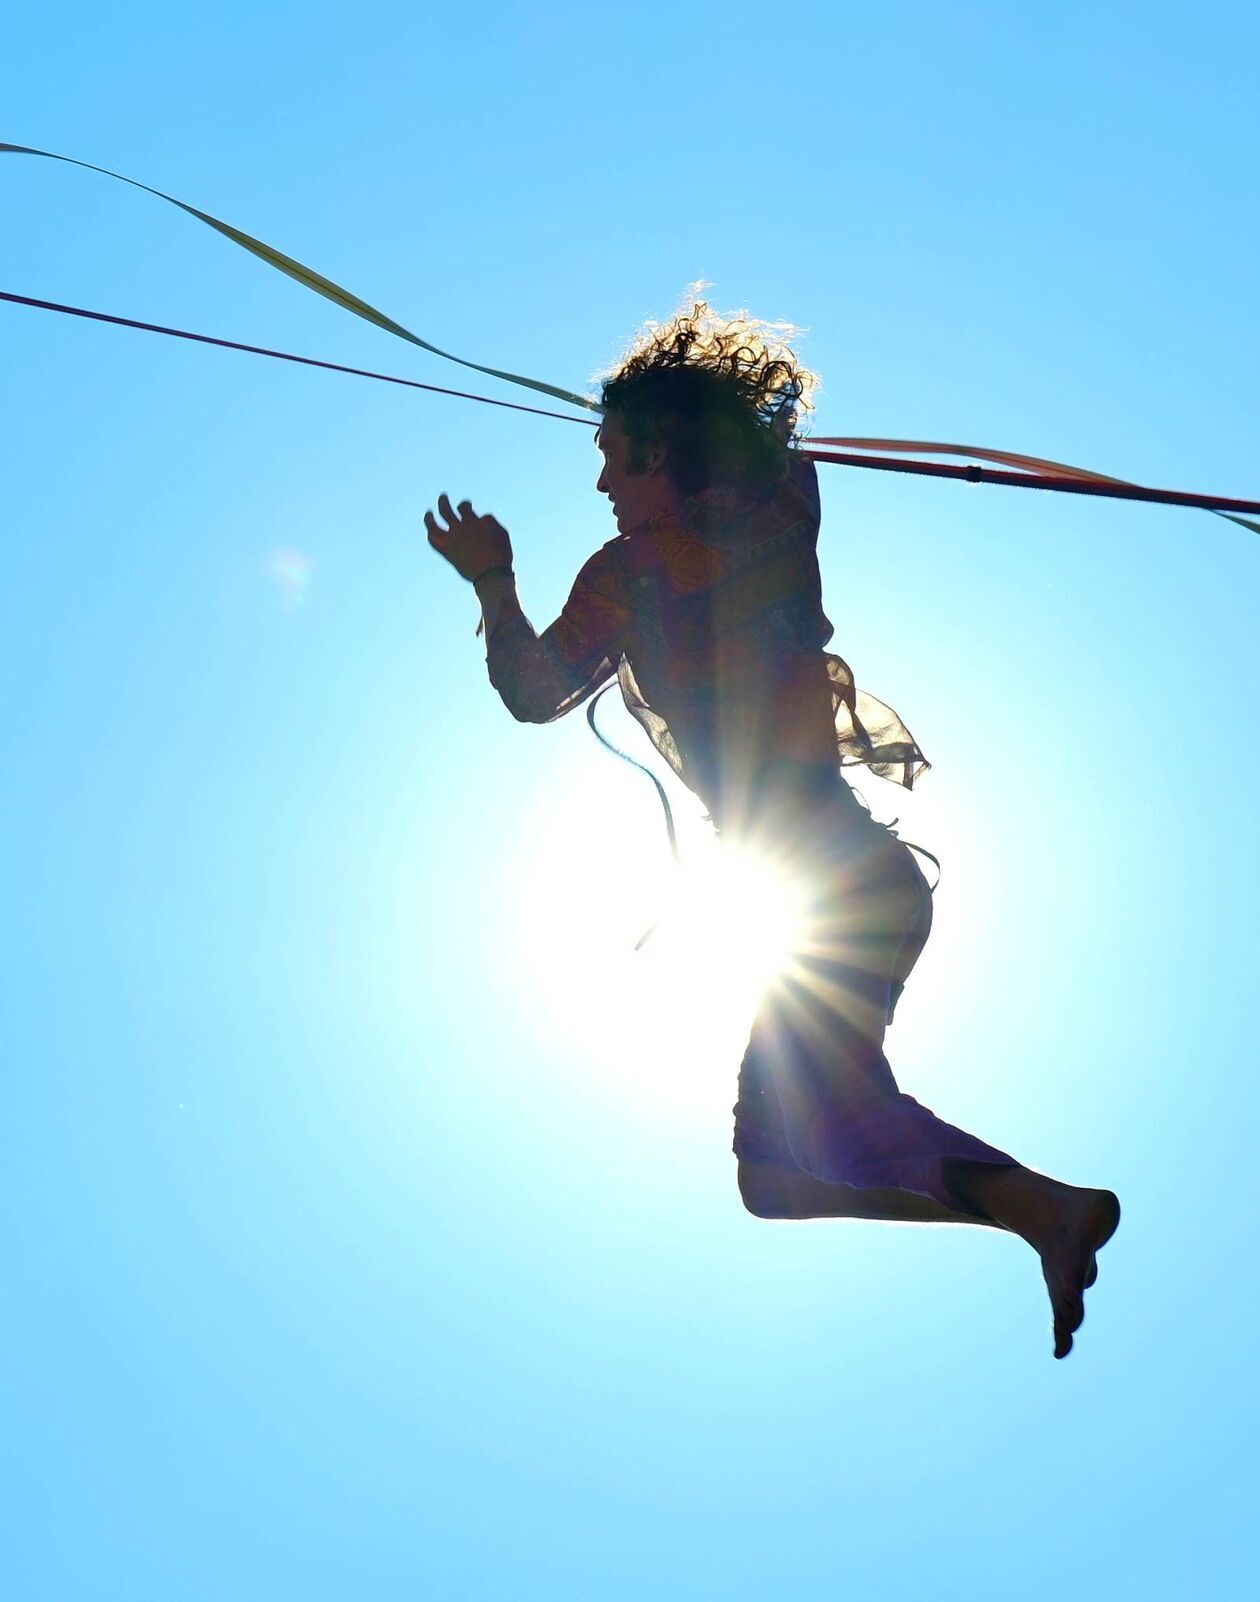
(626,757)
(922,850)
(660,791)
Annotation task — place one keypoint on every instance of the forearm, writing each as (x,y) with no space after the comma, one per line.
(497,593)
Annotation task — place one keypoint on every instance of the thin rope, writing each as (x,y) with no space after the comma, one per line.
(1065,481)
(1068,484)
(282,355)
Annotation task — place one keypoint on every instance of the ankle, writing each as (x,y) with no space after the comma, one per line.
(1014,1197)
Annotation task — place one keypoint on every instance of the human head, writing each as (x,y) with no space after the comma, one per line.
(633,477)
(703,400)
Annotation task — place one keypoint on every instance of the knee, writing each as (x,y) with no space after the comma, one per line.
(763,1190)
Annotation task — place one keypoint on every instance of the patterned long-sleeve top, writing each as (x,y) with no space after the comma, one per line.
(712,622)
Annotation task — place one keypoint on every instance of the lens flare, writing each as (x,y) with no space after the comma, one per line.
(290,570)
(669,1018)
(736,919)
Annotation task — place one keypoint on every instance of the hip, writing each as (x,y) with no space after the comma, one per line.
(848,869)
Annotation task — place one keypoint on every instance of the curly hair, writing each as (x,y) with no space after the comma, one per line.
(721,393)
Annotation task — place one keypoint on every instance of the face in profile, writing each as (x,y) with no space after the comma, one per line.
(635,496)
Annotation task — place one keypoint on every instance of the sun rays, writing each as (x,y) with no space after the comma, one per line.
(725,926)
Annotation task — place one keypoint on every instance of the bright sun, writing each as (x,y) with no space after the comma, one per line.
(596,878)
(734,918)
(591,873)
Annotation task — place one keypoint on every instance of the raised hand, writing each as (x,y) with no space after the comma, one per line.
(471,544)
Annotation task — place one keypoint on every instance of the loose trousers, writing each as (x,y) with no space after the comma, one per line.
(816,1091)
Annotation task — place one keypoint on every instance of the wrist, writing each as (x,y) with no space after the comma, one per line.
(502,570)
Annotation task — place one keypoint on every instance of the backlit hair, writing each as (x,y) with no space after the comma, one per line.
(722,393)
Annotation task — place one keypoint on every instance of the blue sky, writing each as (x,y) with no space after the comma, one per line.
(371,1225)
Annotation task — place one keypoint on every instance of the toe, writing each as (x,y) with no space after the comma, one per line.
(1069,1315)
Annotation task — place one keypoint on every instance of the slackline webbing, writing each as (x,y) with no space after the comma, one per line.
(1043,475)
(1072,480)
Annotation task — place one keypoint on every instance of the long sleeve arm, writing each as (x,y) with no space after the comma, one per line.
(541,677)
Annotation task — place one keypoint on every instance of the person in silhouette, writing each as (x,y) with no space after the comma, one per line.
(707,608)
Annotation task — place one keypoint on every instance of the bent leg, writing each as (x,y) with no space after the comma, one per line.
(816,1091)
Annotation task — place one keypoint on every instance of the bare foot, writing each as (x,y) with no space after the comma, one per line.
(1066,1225)
(1068,1246)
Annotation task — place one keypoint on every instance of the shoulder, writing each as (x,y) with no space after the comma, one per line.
(606,569)
(598,610)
